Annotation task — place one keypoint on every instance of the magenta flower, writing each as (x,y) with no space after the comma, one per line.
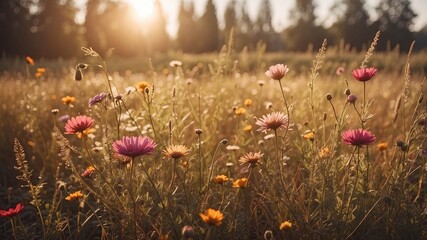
(79,124)
(364,74)
(12,211)
(358,137)
(277,72)
(134,146)
(272,121)
(97,99)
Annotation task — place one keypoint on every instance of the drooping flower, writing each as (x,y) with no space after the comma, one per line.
(251,157)
(134,146)
(97,99)
(240,183)
(272,121)
(12,211)
(364,74)
(80,125)
(358,137)
(176,151)
(220,179)
(67,100)
(212,217)
(286,225)
(277,72)
(74,195)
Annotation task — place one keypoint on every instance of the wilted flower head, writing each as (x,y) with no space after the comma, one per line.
(220,179)
(364,74)
(212,217)
(286,225)
(12,211)
(97,99)
(67,100)
(79,125)
(351,98)
(251,158)
(277,72)
(176,151)
(240,183)
(134,146)
(358,137)
(74,195)
(272,121)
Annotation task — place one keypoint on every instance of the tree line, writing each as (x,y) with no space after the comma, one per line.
(47,28)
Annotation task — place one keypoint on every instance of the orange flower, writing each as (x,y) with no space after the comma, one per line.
(74,195)
(141,86)
(240,111)
(309,135)
(40,72)
(382,146)
(247,128)
(286,225)
(88,172)
(240,183)
(324,152)
(248,102)
(220,179)
(67,100)
(29,60)
(212,217)
(176,151)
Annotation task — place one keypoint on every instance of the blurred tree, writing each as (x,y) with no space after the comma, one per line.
(230,20)
(395,19)
(15,24)
(208,30)
(263,28)
(304,31)
(187,26)
(157,37)
(122,30)
(58,35)
(353,24)
(421,39)
(244,31)
(94,34)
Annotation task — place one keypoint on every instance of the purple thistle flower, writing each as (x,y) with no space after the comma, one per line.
(134,146)
(97,98)
(358,137)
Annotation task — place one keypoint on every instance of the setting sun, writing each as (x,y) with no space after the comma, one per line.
(142,9)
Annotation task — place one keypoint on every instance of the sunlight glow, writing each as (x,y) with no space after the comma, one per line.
(143,9)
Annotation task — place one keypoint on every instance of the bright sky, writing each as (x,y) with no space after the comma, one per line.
(280,9)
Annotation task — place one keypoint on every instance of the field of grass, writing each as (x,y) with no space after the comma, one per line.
(301,178)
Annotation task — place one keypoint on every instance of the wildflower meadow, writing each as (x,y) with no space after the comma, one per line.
(233,145)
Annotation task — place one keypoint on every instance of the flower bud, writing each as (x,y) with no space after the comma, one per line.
(351,98)
(187,232)
(78,75)
(347,91)
(198,131)
(329,97)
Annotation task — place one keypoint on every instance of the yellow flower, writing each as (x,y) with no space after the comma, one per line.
(286,225)
(141,86)
(212,217)
(176,151)
(74,195)
(240,183)
(85,132)
(309,135)
(247,128)
(220,179)
(40,72)
(68,100)
(324,152)
(382,146)
(240,111)
(248,102)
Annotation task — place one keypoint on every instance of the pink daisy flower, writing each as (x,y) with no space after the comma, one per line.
(358,137)
(78,124)
(364,74)
(134,146)
(272,121)
(277,72)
